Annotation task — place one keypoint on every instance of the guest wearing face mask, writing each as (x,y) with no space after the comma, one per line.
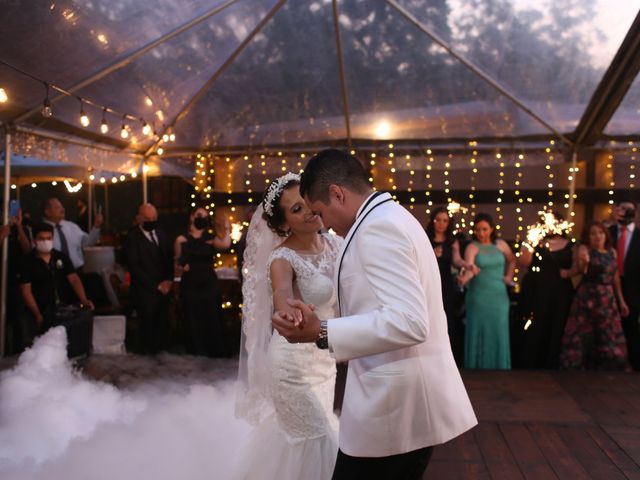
(194,256)
(47,281)
(626,241)
(148,254)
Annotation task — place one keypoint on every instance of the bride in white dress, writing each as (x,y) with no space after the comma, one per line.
(286,390)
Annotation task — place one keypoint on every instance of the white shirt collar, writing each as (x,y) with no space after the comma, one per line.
(630,228)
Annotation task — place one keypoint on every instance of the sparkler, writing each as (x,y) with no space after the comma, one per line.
(455,207)
(236,231)
(548,225)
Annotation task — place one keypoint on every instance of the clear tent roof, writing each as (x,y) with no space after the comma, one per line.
(250,73)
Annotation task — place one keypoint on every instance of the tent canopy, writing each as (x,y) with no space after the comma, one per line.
(246,75)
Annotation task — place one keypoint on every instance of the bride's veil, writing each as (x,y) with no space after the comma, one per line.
(252,393)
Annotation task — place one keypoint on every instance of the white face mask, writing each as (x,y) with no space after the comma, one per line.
(44,246)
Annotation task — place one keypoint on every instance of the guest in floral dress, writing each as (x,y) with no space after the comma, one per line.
(593,337)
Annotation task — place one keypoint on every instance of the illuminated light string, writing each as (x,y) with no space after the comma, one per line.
(632,165)
(500,193)
(83,118)
(550,176)
(612,181)
(427,176)
(473,162)
(409,166)
(519,214)
(446,181)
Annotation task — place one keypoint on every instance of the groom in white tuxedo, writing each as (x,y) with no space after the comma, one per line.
(403,393)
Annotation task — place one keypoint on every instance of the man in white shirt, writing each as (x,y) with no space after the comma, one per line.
(626,242)
(68,237)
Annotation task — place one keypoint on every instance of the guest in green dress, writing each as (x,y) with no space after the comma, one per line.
(487,302)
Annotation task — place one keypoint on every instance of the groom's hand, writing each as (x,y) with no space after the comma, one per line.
(295,332)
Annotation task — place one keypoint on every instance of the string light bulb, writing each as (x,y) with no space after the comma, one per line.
(4,98)
(46,104)
(146,129)
(104,128)
(160,151)
(172,137)
(124,131)
(84,118)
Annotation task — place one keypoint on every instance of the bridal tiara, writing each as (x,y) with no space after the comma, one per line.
(275,189)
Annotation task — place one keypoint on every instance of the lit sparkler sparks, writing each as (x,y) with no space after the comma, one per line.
(455,207)
(236,231)
(548,225)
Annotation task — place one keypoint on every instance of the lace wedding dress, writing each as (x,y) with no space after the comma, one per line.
(298,439)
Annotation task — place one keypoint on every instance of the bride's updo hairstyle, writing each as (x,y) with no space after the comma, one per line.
(273,213)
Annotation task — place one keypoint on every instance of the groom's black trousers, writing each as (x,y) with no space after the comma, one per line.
(406,466)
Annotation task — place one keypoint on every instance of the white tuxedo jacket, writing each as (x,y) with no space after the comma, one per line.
(403,390)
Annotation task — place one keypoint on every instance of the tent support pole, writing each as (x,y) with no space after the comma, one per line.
(145,187)
(343,79)
(89,202)
(127,59)
(5,243)
(477,71)
(185,110)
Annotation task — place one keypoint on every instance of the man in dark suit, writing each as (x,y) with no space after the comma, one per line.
(626,241)
(150,262)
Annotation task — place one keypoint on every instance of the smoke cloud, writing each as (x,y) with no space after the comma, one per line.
(55,424)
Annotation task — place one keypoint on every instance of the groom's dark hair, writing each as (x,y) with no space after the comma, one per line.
(332,167)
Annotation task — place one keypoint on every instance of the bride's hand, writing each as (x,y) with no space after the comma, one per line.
(306,331)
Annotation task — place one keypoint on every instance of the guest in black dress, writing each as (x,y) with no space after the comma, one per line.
(544,301)
(195,253)
(447,250)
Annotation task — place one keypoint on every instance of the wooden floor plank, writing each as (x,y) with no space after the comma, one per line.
(523,396)
(558,453)
(497,456)
(617,455)
(460,470)
(627,437)
(589,454)
(463,448)
(533,464)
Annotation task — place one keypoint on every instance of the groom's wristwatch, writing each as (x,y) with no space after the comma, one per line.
(323,340)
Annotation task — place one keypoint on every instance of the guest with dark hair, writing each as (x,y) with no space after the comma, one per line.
(47,280)
(593,337)
(487,301)
(194,257)
(626,241)
(148,254)
(544,300)
(447,250)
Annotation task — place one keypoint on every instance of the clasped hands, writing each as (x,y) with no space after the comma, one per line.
(298,324)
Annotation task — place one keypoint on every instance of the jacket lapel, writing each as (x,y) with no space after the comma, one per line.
(382,198)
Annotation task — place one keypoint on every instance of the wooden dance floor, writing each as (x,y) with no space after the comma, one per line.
(546,425)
